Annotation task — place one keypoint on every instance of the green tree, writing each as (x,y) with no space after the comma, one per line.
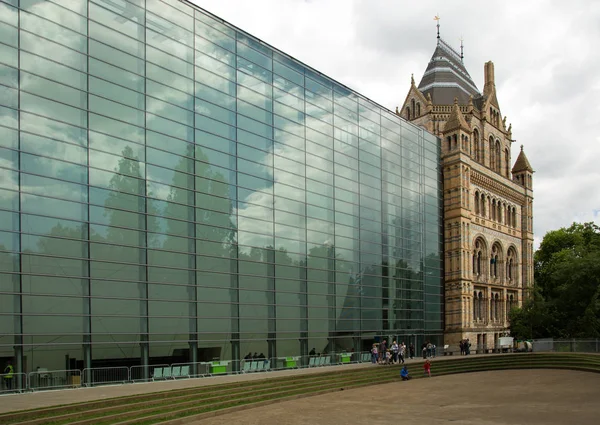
(566,300)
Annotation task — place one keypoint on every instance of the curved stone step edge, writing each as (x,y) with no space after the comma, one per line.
(239,396)
(318,391)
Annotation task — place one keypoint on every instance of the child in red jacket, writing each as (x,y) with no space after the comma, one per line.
(427,368)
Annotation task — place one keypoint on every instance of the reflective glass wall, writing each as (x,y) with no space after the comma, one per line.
(173,189)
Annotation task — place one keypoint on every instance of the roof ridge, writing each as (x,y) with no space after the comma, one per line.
(450,49)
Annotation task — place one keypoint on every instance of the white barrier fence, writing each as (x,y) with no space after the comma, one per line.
(105,376)
(43,379)
(13,383)
(54,379)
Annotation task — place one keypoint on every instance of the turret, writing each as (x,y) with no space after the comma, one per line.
(457,132)
(522,171)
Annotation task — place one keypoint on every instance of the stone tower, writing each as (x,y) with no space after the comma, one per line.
(488,207)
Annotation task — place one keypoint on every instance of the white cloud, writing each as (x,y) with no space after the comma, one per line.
(545,65)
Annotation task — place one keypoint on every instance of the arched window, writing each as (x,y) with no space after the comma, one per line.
(479,253)
(475,306)
(477,152)
(511,266)
(476,202)
(449,140)
(507,163)
(408,112)
(412,104)
(494,260)
(492,153)
(508,216)
(482,209)
(418,109)
(497,307)
(493,210)
(514,217)
(498,157)
(480,306)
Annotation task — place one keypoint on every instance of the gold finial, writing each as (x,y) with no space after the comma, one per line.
(437,19)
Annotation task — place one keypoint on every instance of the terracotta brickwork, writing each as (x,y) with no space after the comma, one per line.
(488,205)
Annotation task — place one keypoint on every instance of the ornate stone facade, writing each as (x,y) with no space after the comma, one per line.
(488,215)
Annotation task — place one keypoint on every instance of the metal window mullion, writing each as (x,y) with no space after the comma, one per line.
(18,302)
(87,338)
(145,319)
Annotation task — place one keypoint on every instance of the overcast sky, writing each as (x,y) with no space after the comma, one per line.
(546,66)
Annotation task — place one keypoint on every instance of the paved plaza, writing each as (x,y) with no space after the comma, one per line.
(532,397)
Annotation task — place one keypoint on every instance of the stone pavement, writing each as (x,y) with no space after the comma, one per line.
(529,397)
(35,400)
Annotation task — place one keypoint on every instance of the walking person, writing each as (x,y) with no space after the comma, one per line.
(427,368)
(462,347)
(382,351)
(402,352)
(374,354)
(395,351)
(411,348)
(7,376)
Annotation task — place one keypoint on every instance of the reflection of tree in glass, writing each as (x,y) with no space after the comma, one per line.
(126,201)
(216,208)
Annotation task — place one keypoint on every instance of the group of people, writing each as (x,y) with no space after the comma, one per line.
(254,356)
(428,350)
(395,353)
(381,353)
(405,375)
(465,347)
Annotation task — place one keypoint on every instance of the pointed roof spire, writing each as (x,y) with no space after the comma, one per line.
(412,79)
(462,56)
(446,77)
(522,163)
(456,120)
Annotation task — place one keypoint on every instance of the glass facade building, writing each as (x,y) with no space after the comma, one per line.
(174,189)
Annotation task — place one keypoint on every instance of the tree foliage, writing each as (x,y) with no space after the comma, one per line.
(566,300)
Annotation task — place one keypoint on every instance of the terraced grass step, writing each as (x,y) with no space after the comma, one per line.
(173,405)
(136,409)
(123,404)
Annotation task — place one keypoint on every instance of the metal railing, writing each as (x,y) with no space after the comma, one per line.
(13,383)
(566,345)
(43,379)
(54,379)
(105,376)
(146,373)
